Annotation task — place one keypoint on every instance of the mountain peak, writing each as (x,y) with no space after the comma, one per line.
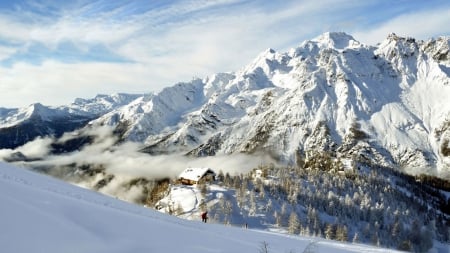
(337,40)
(269,53)
(36,109)
(393,36)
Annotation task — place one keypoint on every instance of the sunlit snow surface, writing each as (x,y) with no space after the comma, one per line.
(41,214)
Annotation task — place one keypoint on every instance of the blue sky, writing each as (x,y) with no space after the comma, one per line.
(54,51)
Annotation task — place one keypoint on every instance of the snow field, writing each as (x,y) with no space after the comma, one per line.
(41,214)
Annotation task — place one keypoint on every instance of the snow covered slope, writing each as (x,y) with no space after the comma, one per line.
(41,214)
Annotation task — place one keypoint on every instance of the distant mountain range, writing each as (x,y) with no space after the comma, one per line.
(386,104)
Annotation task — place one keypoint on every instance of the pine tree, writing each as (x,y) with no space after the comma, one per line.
(283,210)
(278,220)
(366,232)
(356,238)
(294,223)
(414,234)
(426,239)
(228,208)
(227,180)
(269,206)
(252,210)
(330,231)
(342,233)
(404,245)
(304,230)
(375,239)
(396,229)
(396,232)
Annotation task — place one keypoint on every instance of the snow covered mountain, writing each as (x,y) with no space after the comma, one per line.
(386,104)
(19,126)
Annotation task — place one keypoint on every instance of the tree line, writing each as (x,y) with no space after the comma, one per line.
(373,205)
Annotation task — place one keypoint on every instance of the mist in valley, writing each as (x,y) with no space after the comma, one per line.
(117,168)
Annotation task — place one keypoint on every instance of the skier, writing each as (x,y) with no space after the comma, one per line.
(204,216)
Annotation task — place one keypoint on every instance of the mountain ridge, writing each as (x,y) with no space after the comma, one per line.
(384,104)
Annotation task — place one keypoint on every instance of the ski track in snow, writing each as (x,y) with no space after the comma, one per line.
(99,200)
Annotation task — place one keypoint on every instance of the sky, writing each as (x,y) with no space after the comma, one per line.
(55,51)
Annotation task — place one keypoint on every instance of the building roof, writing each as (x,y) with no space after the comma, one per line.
(195,174)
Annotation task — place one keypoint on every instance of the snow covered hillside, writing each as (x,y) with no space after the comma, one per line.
(41,214)
(372,206)
(386,105)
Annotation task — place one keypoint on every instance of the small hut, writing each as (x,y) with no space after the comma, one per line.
(191,176)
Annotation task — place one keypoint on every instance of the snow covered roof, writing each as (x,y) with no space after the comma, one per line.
(195,174)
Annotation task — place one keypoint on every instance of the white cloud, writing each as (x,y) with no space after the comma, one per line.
(6,52)
(37,148)
(82,31)
(14,30)
(55,83)
(125,160)
(419,25)
(163,55)
(175,42)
